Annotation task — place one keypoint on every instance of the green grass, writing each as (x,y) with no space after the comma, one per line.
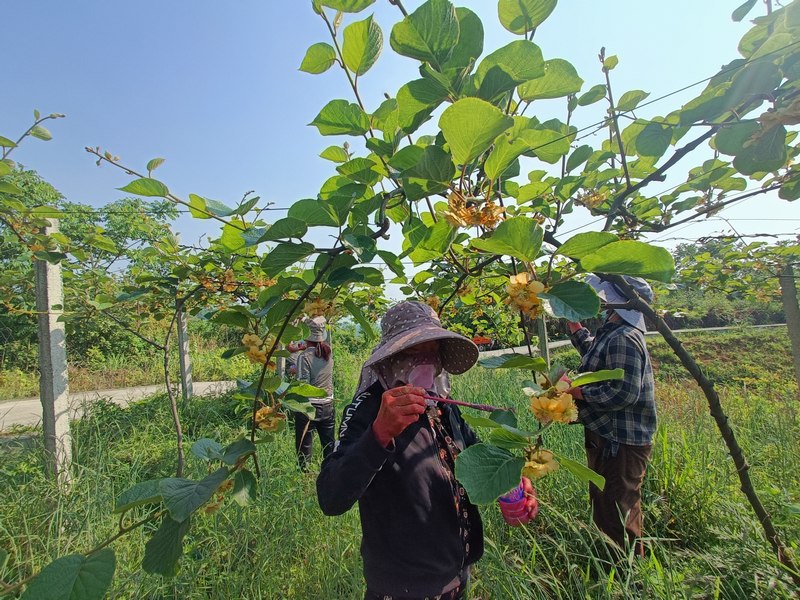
(704,540)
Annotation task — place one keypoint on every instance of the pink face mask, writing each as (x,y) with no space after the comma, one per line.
(415,369)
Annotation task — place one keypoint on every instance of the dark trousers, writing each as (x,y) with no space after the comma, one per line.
(455,594)
(324,423)
(617,510)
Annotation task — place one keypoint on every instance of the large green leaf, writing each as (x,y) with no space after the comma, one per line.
(630,257)
(348,6)
(144,492)
(507,67)
(470,40)
(583,244)
(236,450)
(245,487)
(487,472)
(582,472)
(514,361)
(146,187)
(470,126)
(428,34)
(416,101)
(363,41)
(434,164)
(335,153)
(654,140)
(340,117)
(509,439)
(362,170)
(546,143)
(282,229)
(74,577)
(207,449)
(163,551)
(595,94)
(318,59)
(435,242)
(560,79)
(520,237)
(313,213)
(284,255)
(630,100)
(233,237)
(205,208)
(522,16)
(766,151)
(598,376)
(572,300)
(733,138)
(183,496)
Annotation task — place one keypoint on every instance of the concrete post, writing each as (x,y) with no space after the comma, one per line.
(544,349)
(53,384)
(184,359)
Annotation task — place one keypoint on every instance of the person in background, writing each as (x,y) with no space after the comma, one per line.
(395,456)
(294,348)
(314,365)
(619,416)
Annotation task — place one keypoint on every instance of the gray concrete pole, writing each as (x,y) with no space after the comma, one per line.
(53,384)
(184,359)
(544,347)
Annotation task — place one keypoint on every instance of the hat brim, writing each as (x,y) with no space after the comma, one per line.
(458,353)
(609,294)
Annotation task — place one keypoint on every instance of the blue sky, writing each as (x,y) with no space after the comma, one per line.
(214,89)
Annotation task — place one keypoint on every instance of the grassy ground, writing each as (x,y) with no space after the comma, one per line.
(704,541)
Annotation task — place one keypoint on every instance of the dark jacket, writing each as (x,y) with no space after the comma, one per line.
(410,544)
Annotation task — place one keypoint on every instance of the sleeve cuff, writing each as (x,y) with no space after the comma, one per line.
(374,454)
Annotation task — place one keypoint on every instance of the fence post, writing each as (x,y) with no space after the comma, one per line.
(53,383)
(185,361)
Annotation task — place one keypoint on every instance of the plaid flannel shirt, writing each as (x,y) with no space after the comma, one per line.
(622,411)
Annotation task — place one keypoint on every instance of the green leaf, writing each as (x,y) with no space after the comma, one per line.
(610,63)
(313,213)
(163,551)
(235,451)
(355,311)
(582,472)
(510,440)
(478,421)
(560,79)
(583,244)
(595,94)
(146,187)
(416,101)
(154,163)
(282,229)
(300,405)
(470,126)
(631,100)
(318,59)
(487,472)
(144,492)
(504,417)
(362,170)
(766,151)
(340,117)
(335,153)
(507,67)
(5,169)
(741,12)
(101,242)
(578,157)
(435,243)
(733,138)
(6,143)
(514,361)
(470,40)
(630,257)
(572,300)
(184,496)
(245,487)
(41,133)
(207,449)
(520,237)
(74,577)
(434,165)
(6,187)
(654,140)
(307,390)
(522,16)
(598,376)
(348,6)
(363,41)
(548,144)
(284,255)
(231,317)
(429,34)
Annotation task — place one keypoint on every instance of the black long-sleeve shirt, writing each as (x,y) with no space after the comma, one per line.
(411,544)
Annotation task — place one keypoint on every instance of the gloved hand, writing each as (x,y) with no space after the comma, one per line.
(400,407)
(524,511)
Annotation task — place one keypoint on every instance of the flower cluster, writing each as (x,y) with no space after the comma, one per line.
(555,405)
(539,463)
(591,199)
(523,293)
(269,419)
(254,345)
(318,308)
(469,213)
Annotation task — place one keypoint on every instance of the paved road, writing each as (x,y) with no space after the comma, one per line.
(28,411)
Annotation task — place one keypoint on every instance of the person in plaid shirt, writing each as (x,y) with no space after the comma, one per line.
(619,416)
